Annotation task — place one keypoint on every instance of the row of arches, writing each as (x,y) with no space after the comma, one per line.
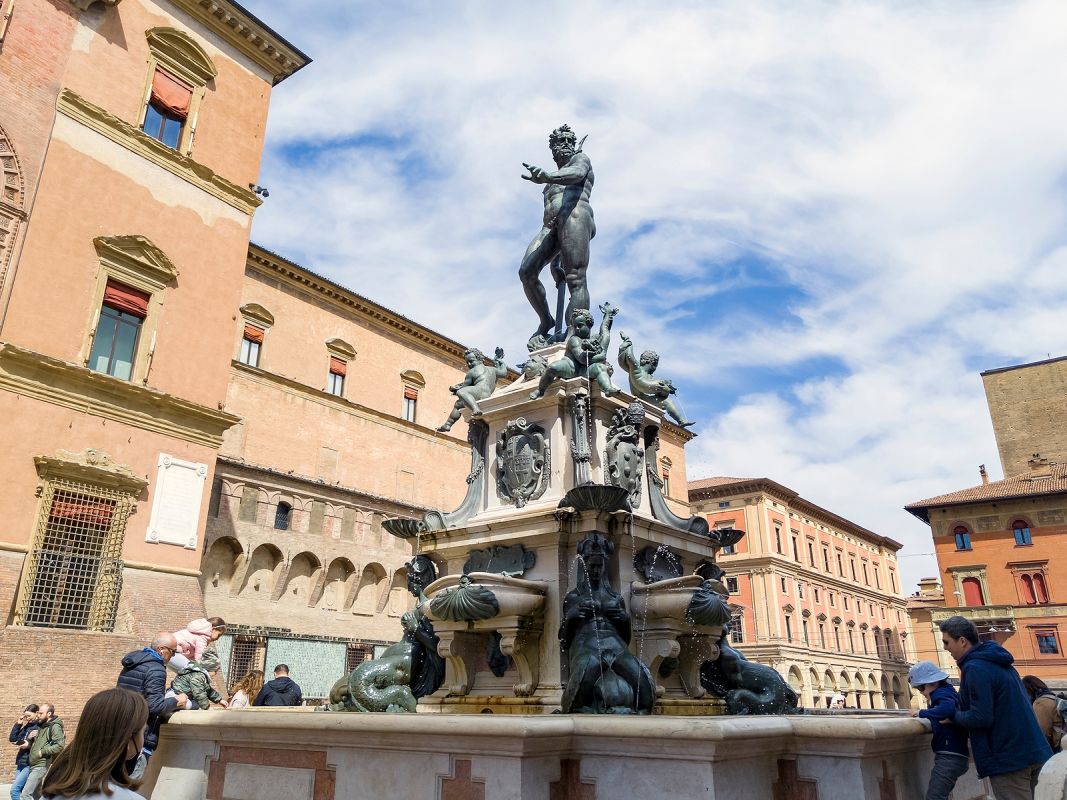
(303,580)
(817,686)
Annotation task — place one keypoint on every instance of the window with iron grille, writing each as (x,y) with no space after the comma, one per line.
(74,569)
(246,654)
(357,654)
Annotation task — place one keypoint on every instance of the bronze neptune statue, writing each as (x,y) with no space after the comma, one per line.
(565,232)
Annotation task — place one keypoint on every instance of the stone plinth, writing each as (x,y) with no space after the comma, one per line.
(247,755)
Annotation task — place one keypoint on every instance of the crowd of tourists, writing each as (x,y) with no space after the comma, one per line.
(1009,726)
(119,728)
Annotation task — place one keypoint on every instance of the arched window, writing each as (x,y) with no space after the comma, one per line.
(963,538)
(1040,590)
(1021,529)
(283,515)
(972,592)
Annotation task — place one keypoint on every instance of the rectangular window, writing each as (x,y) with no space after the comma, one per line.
(336,378)
(785,588)
(816,591)
(837,639)
(811,554)
(851,642)
(877,579)
(731,585)
(724,504)
(74,573)
(1022,537)
(822,636)
(963,539)
(1047,643)
(728,550)
(358,652)
(840,566)
(788,629)
(826,559)
(804,627)
(893,581)
(246,654)
(866,577)
(666,484)
(168,108)
(777,538)
(118,330)
(796,551)
(411,400)
(832,604)
(250,345)
(800,589)
(852,564)
(845,598)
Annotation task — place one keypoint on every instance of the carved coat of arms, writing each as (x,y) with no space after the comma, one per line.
(523,462)
(625,456)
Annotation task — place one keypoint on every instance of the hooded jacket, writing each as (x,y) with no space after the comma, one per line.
(995,709)
(947,738)
(282,691)
(143,672)
(194,639)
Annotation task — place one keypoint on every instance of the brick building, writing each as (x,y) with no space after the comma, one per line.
(338,399)
(998,547)
(817,596)
(128,131)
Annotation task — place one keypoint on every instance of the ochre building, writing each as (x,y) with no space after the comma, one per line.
(129,133)
(817,596)
(1027,404)
(1001,547)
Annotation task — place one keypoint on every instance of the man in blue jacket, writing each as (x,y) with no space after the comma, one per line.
(145,671)
(1006,742)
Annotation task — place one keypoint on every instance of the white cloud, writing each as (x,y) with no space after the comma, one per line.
(897,171)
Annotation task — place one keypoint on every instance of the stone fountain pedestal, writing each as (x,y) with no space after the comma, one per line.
(545,484)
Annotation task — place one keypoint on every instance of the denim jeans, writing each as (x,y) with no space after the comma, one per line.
(34,781)
(948,768)
(20,780)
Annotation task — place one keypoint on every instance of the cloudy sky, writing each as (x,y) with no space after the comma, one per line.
(827,218)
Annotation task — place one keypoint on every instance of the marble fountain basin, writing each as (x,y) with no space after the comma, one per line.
(689,599)
(484,595)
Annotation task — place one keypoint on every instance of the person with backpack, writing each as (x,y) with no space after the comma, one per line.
(48,742)
(949,741)
(1051,711)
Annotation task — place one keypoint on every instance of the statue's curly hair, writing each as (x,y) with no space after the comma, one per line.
(649,357)
(584,313)
(476,352)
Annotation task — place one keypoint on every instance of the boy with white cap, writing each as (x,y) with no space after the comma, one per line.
(949,741)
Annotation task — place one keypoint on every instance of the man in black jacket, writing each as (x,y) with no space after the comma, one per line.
(22,733)
(145,671)
(282,691)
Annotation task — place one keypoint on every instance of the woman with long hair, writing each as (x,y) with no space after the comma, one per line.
(1046,710)
(246,689)
(97,764)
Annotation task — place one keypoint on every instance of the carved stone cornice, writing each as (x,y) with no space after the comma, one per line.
(248,35)
(136,141)
(50,380)
(90,466)
(138,254)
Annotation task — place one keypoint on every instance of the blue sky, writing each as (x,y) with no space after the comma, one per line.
(826,217)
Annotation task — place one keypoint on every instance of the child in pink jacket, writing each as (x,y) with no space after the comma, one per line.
(192,641)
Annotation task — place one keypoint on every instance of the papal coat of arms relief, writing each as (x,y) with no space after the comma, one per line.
(625,455)
(523,462)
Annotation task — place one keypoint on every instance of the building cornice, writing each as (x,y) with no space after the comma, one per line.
(136,141)
(30,374)
(740,563)
(90,466)
(796,502)
(248,34)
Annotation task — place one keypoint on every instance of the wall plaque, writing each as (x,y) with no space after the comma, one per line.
(176,501)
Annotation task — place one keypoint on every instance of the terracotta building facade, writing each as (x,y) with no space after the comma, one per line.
(817,597)
(1001,547)
(128,131)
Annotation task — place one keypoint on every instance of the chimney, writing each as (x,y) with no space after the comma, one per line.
(1039,467)
(983,473)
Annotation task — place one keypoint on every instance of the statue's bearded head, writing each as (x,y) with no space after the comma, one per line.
(650,359)
(562,142)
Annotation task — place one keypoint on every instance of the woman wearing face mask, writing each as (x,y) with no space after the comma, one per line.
(97,764)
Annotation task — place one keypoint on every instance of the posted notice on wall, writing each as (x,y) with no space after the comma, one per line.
(176,501)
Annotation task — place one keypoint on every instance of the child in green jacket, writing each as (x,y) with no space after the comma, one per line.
(195,681)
